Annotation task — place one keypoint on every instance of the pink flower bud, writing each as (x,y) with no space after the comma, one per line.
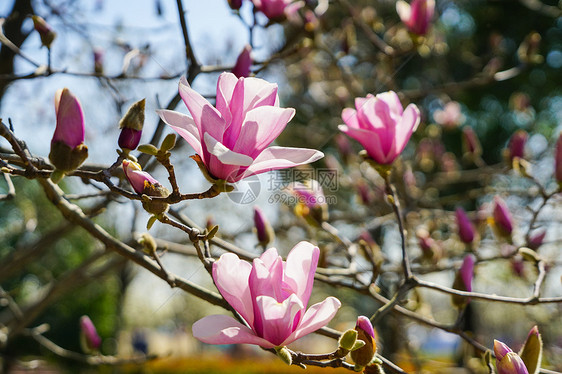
(536,240)
(138,179)
(264,231)
(67,145)
(277,10)
(98,60)
(70,119)
(516,146)
(89,338)
(312,204)
(471,144)
(131,126)
(144,184)
(417,15)
(467,271)
(463,280)
(243,62)
(364,355)
(235,4)
(502,217)
(45,31)
(507,361)
(344,146)
(558,160)
(465,226)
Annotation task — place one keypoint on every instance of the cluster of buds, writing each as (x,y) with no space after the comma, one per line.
(527,361)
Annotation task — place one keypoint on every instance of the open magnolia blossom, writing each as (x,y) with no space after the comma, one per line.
(232,139)
(381,125)
(271,295)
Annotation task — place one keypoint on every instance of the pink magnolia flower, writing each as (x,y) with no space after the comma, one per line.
(417,15)
(381,125)
(89,338)
(558,160)
(502,217)
(271,296)
(277,9)
(232,139)
(450,116)
(465,226)
(243,62)
(507,361)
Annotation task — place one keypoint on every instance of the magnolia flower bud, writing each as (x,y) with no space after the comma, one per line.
(463,280)
(417,15)
(516,146)
(344,147)
(470,142)
(98,60)
(502,219)
(365,332)
(45,31)
(68,151)
(465,226)
(536,240)
(507,361)
(89,338)
(235,4)
(131,126)
(311,204)
(144,184)
(243,62)
(531,353)
(264,231)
